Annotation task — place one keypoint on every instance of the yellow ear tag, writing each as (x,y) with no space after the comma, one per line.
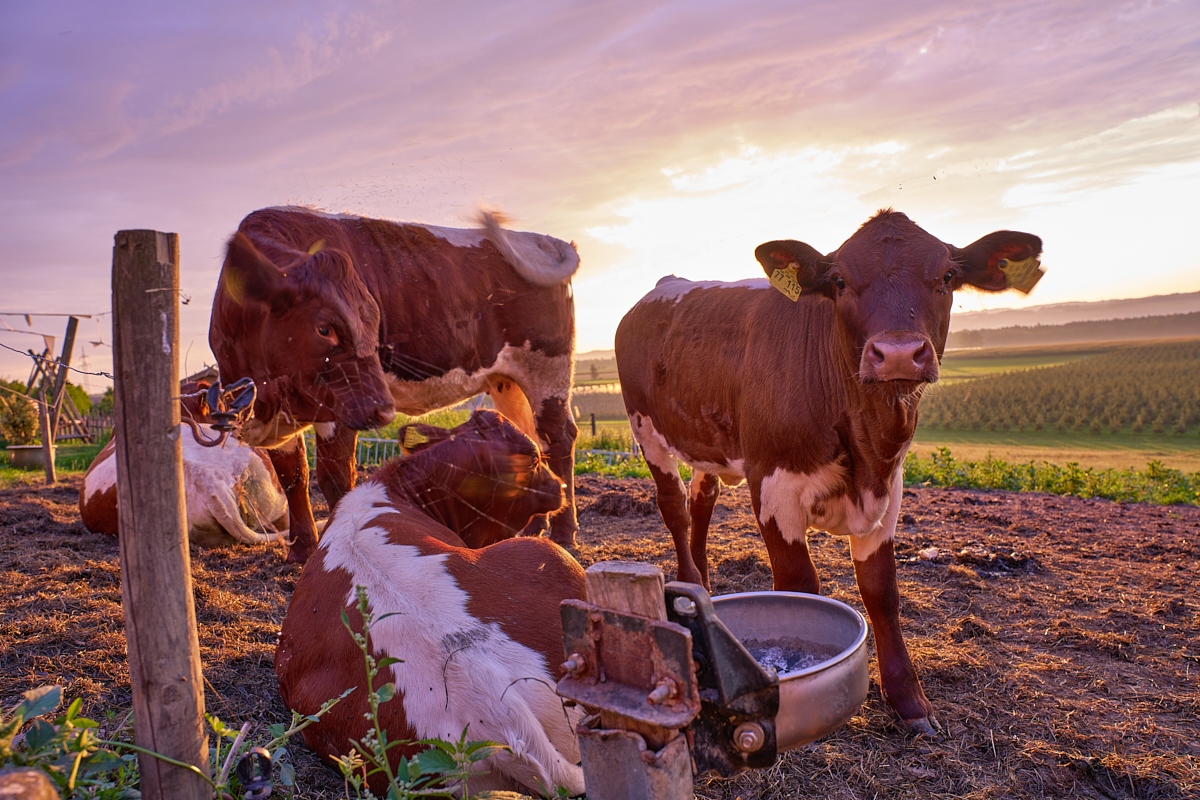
(317,247)
(784,279)
(1022,275)
(412,438)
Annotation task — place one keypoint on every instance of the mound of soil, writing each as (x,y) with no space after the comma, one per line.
(1055,636)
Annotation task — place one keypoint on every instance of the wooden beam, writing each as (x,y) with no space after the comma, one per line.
(47,439)
(156,578)
(60,378)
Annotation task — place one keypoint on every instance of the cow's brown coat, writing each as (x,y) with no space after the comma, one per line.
(813,402)
(346,319)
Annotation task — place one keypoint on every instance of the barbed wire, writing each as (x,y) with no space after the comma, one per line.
(57,362)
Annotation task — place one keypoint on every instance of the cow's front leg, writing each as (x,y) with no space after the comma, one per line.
(290,461)
(792,568)
(336,467)
(876,575)
(557,427)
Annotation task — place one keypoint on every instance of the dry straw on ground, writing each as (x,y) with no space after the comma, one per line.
(1057,637)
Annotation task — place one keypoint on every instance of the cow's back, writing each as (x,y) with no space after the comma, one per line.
(720,368)
(448,299)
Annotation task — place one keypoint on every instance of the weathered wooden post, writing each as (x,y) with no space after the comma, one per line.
(47,433)
(156,583)
(60,377)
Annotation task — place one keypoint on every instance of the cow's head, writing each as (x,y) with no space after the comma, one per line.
(893,285)
(483,479)
(306,331)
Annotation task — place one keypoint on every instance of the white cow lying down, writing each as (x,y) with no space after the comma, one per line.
(232,493)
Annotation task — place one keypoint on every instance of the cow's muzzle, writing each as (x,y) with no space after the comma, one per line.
(898,356)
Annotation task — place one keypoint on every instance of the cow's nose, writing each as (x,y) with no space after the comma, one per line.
(900,359)
(384,414)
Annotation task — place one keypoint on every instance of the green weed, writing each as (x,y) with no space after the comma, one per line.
(1154,484)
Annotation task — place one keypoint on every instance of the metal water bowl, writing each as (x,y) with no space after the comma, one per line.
(816,699)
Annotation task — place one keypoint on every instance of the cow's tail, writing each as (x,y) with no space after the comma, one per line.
(542,260)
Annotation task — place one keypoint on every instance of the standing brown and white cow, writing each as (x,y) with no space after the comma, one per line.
(809,394)
(342,321)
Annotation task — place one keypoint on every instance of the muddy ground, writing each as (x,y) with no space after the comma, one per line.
(1057,637)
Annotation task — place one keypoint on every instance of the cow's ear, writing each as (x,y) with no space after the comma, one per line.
(248,276)
(793,266)
(1002,260)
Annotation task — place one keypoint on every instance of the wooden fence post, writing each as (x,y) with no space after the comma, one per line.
(156,577)
(47,437)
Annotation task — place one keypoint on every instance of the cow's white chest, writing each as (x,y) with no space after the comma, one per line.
(800,502)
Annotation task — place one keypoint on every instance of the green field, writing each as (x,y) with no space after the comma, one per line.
(1109,405)
(967,364)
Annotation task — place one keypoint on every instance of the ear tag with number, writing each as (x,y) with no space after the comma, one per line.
(317,247)
(1021,275)
(785,280)
(412,438)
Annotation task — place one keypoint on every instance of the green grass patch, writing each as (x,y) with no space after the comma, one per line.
(1154,484)
(68,458)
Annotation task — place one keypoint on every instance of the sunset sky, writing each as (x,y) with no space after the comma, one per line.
(662,137)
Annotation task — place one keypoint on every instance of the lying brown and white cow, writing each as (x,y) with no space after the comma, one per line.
(342,321)
(811,400)
(478,632)
(231,492)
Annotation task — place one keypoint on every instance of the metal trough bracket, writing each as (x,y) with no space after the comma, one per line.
(657,688)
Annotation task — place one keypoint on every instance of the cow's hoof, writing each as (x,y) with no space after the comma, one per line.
(565,543)
(924,726)
(295,556)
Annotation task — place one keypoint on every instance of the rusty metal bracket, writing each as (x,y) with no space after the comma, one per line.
(635,667)
(735,729)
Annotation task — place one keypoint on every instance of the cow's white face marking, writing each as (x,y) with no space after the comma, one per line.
(540,376)
(456,669)
(325,430)
(799,502)
(673,288)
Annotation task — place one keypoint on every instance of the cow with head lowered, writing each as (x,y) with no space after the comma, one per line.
(342,321)
(469,613)
(810,395)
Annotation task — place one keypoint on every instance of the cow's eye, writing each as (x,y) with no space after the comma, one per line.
(948,278)
(839,282)
(326,332)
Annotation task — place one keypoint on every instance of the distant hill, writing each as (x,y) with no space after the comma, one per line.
(1167,326)
(1064,313)
(600,355)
